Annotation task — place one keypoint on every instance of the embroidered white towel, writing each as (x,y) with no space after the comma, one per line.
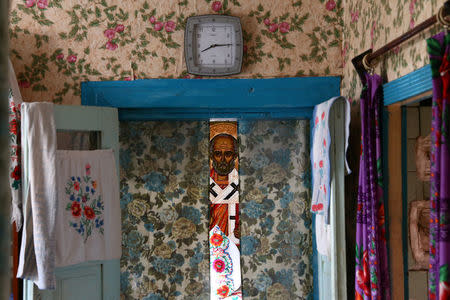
(15,180)
(320,158)
(88,220)
(15,165)
(37,252)
(225,268)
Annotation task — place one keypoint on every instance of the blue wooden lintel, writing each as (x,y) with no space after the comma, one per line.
(152,99)
(412,84)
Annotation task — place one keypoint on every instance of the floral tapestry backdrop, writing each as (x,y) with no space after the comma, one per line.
(57,44)
(164,202)
(276,246)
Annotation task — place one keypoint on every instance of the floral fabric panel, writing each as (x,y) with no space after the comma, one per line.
(439,278)
(320,156)
(15,169)
(225,267)
(87,222)
(276,239)
(224,208)
(371,268)
(164,202)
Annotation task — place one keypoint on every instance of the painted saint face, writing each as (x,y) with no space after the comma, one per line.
(223,155)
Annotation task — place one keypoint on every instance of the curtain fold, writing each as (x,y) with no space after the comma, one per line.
(439,281)
(371,269)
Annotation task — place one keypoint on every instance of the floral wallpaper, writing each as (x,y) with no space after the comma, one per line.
(373,23)
(164,202)
(276,245)
(56,44)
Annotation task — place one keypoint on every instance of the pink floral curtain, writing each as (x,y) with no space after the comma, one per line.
(371,272)
(439,281)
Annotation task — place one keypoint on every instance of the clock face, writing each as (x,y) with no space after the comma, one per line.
(213,45)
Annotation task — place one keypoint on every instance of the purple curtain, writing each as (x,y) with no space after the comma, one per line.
(371,273)
(439,281)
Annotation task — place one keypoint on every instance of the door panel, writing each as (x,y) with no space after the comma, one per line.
(91,280)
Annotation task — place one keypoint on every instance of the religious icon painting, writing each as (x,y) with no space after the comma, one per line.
(224,233)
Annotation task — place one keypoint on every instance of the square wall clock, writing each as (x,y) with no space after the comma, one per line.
(213,45)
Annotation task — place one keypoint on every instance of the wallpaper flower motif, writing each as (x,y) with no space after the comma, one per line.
(164,202)
(56,44)
(276,245)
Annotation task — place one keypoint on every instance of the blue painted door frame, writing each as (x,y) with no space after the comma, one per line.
(413,84)
(184,99)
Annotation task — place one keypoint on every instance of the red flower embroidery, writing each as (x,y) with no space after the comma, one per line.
(321,163)
(76,209)
(223,291)
(323,115)
(89,212)
(13,126)
(444,290)
(16,173)
(219,265)
(317,120)
(76,186)
(216,239)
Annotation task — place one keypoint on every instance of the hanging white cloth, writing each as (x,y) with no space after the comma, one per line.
(37,252)
(320,156)
(88,219)
(323,236)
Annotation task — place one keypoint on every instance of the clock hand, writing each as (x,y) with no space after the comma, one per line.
(216,45)
(212,46)
(222,45)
